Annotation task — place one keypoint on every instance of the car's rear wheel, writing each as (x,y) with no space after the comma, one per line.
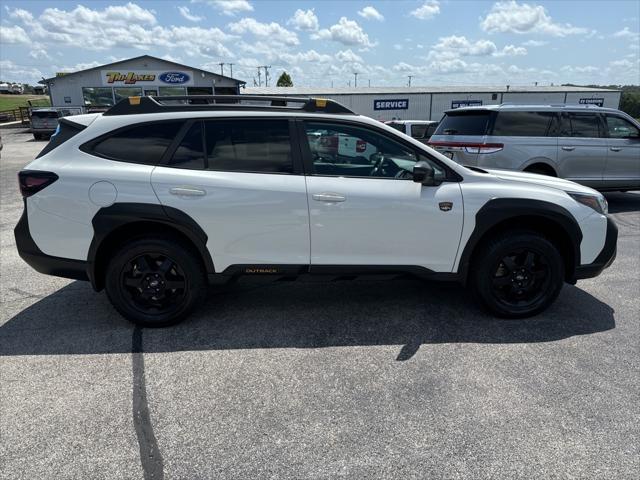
(517,274)
(155,282)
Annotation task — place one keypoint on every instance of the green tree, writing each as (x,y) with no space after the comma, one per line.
(284,80)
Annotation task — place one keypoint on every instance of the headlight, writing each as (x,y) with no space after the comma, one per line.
(597,202)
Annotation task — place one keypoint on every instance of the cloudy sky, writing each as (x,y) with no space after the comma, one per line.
(320,43)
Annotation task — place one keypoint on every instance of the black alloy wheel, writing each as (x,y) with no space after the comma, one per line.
(520,278)
(155,282)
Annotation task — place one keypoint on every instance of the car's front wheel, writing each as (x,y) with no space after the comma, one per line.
(155,282)
(517,274)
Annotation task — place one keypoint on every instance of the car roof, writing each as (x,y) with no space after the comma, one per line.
(534,107)
(412,121)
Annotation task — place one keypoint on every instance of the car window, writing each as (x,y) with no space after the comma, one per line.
(586,125)
(139,144)
(621,128)
(350,151)
(522,124)
(431,129)
(398,126)
(464,123)
(418,130)
(259,146)
(190,152)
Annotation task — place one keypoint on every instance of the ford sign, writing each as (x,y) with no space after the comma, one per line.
(174,78)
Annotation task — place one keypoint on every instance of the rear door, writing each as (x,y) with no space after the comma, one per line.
(459,134)
(582,148)
(241,181)
(623,158)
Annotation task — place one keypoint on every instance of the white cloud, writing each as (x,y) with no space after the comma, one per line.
(514,17)
(229,7)
(511,51)
(371,13)
(348,56)
(626,34)
(456,46)
(428,10)
(126,26)
(347,32)
(304,20)
(184,11)
(397,46)
(13,34)
(12,72)
(269,32)
(535,43)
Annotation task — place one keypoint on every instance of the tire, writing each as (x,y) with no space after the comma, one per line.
(140,277)
(517,274)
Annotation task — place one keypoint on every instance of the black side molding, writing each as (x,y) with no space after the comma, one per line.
(40,261)
(501,209)
(109,219)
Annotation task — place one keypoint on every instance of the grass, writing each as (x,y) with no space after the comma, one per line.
(9,102)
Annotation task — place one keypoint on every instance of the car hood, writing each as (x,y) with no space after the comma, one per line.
(537,179)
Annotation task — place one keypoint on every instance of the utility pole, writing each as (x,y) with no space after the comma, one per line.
(369,82)
(221,68)
(231,67)
(410,77)
(259,77)
(355,79)
(266,74)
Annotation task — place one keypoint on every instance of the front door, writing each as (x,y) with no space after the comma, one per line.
(582,148)
(240,180)
(623,157)
(366,210)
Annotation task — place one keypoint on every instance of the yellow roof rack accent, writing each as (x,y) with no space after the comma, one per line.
(134,100)
(321,102)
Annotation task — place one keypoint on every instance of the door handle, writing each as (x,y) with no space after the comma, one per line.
(328,197)
(615,149)
(568,149)
(187,192)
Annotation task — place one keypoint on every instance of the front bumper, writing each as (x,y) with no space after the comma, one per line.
(606,256)
(40,261)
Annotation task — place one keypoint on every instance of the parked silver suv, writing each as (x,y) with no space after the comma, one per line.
(594,146)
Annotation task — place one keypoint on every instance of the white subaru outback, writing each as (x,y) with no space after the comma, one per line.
(157,197)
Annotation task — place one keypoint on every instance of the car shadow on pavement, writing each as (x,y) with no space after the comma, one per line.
(623,202)
(254,313)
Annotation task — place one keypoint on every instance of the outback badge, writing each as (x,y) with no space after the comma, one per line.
(445,206)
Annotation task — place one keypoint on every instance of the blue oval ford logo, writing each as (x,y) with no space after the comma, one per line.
(174,77)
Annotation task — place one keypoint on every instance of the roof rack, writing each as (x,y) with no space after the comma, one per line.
(199,103)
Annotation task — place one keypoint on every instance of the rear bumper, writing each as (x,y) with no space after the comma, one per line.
(606,256)
(40,261)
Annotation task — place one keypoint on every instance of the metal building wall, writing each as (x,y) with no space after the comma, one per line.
(611,99)
(443,102)
(71,85)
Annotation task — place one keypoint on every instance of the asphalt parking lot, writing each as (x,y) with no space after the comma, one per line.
(362,379)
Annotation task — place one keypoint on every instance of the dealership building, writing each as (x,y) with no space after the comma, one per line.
(145,75)
(429,103)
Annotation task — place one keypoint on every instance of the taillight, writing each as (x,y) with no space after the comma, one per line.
(468,147)
(32,181)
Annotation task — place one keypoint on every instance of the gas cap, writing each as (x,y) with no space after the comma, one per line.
(103,193)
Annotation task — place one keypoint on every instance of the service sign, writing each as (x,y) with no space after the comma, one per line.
(592,101)
(465,103)
(391,104)
(137,78)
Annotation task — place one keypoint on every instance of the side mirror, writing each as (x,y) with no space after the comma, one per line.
(423,173)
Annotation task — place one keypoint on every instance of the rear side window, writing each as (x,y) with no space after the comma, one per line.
(464,123)
(64,132)
(522,124)
(260,146)
(585,125)
(418,131)
(190,152)
(144,143)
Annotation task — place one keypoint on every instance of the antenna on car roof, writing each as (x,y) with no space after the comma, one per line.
(190,103)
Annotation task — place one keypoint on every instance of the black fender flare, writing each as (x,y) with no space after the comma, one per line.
(498,210)
(108,219)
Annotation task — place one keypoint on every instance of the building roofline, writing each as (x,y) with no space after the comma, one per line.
(47,80)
